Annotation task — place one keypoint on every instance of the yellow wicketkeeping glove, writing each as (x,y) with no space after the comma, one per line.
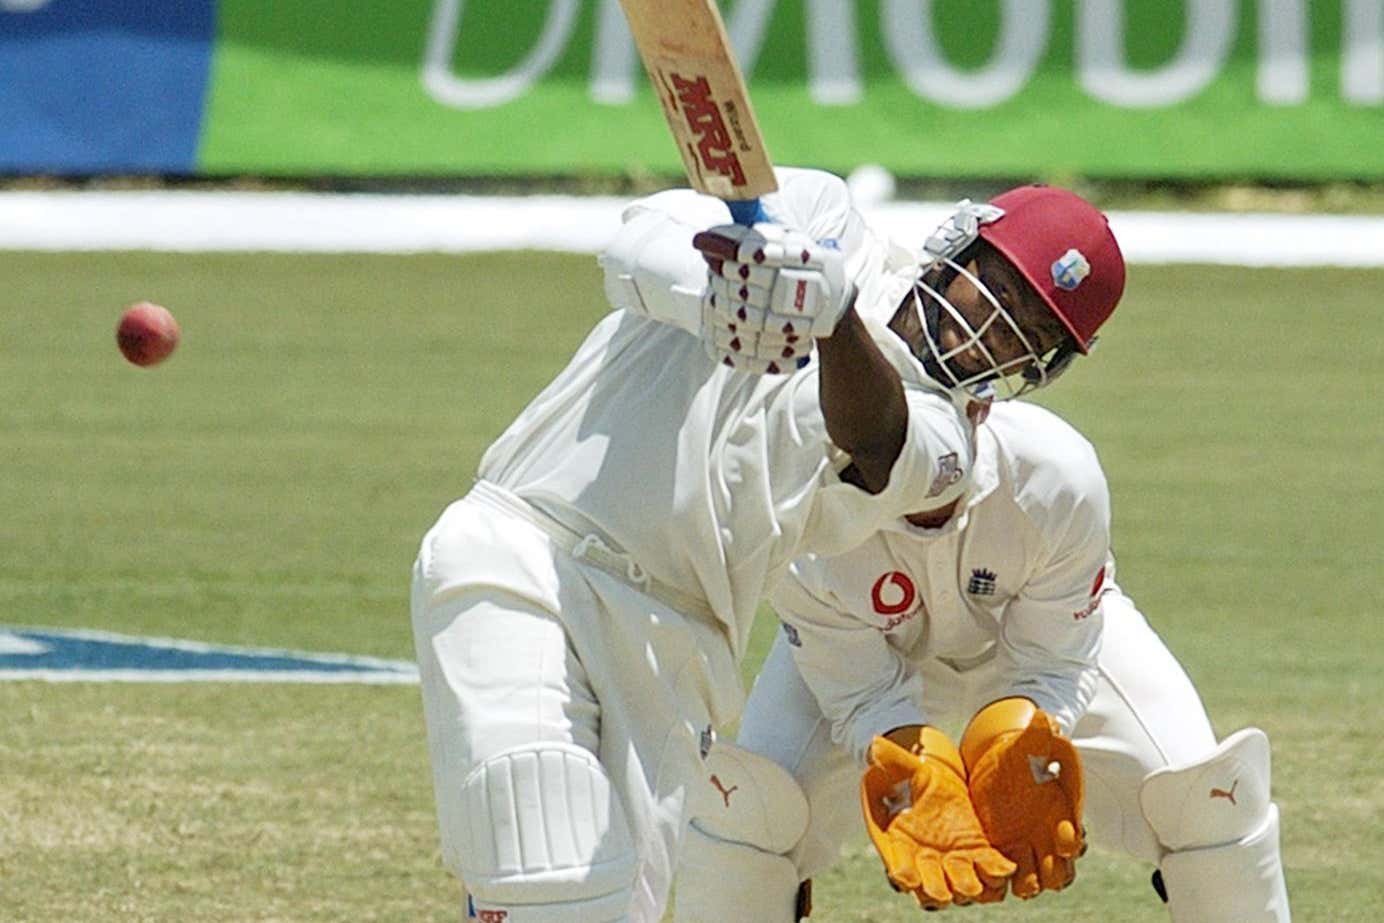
(1026,785)
(919,816)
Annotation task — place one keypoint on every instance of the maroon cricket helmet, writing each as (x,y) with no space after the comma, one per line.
(1063,246)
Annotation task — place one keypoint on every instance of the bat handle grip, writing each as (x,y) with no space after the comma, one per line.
(746,211)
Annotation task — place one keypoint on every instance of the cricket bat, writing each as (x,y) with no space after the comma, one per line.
(687,53)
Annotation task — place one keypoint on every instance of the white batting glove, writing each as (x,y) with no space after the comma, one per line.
(770,292)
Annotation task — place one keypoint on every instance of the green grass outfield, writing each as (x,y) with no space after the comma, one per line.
(269,484)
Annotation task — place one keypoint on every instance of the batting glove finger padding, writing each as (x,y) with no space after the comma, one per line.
(738,274)
(770,292)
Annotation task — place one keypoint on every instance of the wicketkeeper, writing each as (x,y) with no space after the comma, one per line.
(1000,618)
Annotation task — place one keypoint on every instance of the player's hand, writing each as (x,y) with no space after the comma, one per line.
(770,292)
(1026,785)
(920,819)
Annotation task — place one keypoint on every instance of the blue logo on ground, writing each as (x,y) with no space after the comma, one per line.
(54,655)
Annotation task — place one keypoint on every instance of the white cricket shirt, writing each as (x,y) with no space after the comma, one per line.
(1018,577)
(713,480)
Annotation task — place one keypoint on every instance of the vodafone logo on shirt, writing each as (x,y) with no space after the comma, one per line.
(893,593)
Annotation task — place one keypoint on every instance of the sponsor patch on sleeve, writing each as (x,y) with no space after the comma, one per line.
(949,471)
(1093,603)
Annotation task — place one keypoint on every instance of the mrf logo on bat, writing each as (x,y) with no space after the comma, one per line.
(715,152)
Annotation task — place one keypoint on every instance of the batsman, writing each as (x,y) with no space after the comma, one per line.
(784,385)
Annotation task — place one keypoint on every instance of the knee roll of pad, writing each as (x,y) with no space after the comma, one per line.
(545,838)
(747,798)
(1219,828)
(747,813)
(1213,801)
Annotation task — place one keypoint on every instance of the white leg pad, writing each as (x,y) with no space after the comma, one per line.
(747,798)
(747,813)
(546,841)
(719,880)
(1240,882)
(1220,829)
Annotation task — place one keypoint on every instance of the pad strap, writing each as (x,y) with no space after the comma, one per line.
(720,881)
(1239,882)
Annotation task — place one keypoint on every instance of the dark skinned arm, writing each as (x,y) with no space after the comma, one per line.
(863,403)
(860,392)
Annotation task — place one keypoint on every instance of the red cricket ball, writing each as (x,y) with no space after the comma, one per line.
(147,334)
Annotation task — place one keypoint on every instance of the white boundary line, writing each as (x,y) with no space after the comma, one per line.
(191,221)
(341,677)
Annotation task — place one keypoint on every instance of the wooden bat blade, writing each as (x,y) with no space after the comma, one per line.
(687,53)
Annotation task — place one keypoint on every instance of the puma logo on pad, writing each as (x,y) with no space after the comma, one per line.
(725,792)
(1227,795)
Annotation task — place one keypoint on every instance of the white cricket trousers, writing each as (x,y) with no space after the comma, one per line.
(1146,714)
(519,643)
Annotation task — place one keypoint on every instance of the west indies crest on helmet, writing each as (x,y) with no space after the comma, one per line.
(1063,246)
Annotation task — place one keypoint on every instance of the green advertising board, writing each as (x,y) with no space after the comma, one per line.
(1103,88)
